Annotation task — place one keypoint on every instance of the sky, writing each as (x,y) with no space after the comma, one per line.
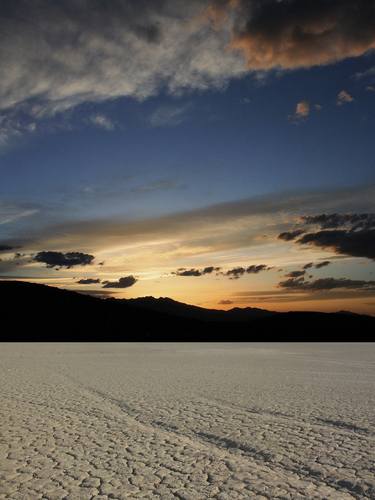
(220,152)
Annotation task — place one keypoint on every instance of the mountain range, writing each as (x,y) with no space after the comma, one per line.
(34,312)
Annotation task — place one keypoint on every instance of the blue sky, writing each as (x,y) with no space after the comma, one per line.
(135,141)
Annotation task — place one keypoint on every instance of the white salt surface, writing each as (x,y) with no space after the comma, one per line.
(187,421)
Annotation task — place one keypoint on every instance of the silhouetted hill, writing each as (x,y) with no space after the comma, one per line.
(39,312)
(167,305)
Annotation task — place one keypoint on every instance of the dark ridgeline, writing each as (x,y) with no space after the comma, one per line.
(31,312)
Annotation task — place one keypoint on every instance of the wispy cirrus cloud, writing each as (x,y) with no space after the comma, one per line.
(157,185)
(226,225)
(169,115)
(12,212)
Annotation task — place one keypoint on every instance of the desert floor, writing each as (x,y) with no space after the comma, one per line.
(187,421)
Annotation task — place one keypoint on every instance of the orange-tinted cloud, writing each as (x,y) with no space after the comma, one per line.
(302,111)
(300,34)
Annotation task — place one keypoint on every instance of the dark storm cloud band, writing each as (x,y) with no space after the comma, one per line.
(345,234)
(353,243)
(300,34)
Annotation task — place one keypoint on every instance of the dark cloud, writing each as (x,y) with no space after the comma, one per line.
(124,282)
(308,265)
(295,274)
(354,243)
(285,295)
(327,284)
(210,269)
(196,272)
(319,265)
(225,302)
(188,272)
(299,34)
(60,259)
(290,235)
(255,269)
(325,263)
(234,273)
(292,282)
(102,294)
(237,272)
(6,248)
(346,234)
(333,221)
(88,281)
(19,255)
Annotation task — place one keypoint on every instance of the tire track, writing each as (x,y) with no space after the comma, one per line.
(228,449)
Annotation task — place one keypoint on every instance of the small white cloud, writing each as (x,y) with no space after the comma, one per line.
(370,88)
(344,97)
(169,116)
(102,121)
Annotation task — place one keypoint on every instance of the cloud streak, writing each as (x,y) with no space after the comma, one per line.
(208,228)
(327,284)
(88,281)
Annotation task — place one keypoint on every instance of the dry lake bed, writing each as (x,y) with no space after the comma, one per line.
(187,421)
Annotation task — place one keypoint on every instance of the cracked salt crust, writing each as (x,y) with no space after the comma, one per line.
(187,421)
